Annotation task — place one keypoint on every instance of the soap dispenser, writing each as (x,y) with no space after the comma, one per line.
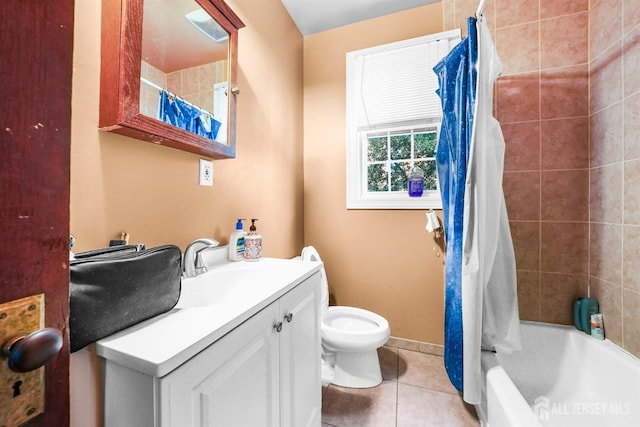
(236,242)
(253,243)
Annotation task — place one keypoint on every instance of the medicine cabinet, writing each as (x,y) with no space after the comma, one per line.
(168,73)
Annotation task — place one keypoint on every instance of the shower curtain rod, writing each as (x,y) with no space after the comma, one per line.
(480,7)
(173,95)
(150,83)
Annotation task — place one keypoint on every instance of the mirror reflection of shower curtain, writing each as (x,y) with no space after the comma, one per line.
(184,115)
(480,268)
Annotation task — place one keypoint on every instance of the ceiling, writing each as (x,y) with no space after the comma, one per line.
(171,43)
(314,16)
(166,31)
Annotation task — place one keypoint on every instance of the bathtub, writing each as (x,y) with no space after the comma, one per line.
(562,377)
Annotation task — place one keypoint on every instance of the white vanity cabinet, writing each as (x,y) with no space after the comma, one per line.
(264,372)
(300,384)
(236,381)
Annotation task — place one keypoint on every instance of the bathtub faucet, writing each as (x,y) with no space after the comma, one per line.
(192,263)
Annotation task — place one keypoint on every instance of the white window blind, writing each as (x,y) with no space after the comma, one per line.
(392,88)
(395,83)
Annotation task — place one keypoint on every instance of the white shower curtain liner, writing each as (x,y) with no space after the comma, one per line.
(489,292)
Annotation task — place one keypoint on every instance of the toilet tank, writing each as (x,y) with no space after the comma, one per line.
(309,253)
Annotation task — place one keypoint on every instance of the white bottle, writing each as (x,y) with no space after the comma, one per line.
(236,243)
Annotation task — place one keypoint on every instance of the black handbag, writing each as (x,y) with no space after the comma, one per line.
(114,288)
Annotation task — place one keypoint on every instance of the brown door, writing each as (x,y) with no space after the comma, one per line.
(36,43)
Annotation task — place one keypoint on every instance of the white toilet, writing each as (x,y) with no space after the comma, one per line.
(350,339)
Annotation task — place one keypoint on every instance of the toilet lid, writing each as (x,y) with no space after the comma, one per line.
(310,253)
(352,322)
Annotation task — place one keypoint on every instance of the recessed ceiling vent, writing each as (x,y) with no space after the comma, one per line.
(210,28)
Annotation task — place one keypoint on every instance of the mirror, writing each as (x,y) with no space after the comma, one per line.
(170,79)
(184,69)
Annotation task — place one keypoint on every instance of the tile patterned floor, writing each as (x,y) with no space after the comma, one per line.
(415,391)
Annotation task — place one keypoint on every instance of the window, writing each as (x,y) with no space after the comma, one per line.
(391,154)
(393,120)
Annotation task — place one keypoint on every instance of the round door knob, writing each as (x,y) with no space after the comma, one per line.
(28,353)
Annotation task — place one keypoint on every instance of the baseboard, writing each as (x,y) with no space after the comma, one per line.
(422,347)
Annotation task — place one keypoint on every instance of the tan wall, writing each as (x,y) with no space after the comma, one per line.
(380,260)
(121,184)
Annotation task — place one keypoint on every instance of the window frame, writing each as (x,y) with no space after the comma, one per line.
(358,196)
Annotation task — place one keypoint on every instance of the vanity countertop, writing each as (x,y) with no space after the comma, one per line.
(210,306)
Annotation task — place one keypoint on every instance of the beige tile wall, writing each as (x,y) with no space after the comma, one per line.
(195,85)
(569,104)
(615,167)
(149,96)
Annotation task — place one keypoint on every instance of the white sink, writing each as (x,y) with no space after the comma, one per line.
(221,288)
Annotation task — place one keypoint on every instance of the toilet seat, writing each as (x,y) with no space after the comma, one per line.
(353,329)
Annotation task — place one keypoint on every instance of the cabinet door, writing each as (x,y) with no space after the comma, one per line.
(234,382)
(301,387)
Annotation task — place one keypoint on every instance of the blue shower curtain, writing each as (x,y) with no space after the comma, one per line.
(481,307)
(457,77)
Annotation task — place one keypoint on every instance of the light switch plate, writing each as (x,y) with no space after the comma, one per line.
(206,172)
(21,394)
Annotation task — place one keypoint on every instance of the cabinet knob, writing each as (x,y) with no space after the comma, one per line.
(235,90)
(278,326)
(289,317)
(28,353)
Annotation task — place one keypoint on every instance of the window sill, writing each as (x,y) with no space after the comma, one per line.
(430,200)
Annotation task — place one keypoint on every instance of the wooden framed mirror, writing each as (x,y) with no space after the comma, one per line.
(168,73)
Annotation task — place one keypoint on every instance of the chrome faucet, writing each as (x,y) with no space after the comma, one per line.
(192,264)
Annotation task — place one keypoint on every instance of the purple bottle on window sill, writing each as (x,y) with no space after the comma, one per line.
(415,183)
